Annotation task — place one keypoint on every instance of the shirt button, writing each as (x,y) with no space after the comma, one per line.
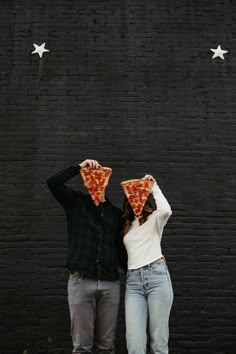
(97,260)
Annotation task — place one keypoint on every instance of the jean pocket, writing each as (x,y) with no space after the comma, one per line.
(131,276)
(159,269)
(75,279)
(131,272)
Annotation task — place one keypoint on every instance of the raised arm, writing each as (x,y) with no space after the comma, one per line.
(56,184)
(163,210)
(161,201)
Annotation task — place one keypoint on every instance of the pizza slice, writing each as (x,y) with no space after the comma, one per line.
(96,180)
(137,191)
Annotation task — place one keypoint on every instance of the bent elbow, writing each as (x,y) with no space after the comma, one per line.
(50,183)
(166,213)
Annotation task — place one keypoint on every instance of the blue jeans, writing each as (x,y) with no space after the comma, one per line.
(93,307)
(148,297)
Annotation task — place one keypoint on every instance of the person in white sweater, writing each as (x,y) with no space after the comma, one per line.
(149,293)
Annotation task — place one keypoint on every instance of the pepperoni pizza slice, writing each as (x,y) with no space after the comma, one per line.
(137,191)
(96,180)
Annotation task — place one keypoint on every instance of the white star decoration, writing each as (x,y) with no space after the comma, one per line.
(218,52)
(40,49)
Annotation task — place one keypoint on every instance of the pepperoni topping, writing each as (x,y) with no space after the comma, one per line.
(137,192)
(96,180)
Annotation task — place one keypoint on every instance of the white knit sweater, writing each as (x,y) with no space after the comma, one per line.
(143,242)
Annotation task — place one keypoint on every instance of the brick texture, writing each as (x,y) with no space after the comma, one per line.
(133,84)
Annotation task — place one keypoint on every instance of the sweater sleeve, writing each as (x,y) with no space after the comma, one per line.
(163,207)
(121,253)
(56,184)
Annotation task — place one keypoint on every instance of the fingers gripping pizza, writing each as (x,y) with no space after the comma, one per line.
(96,180)
(137,191)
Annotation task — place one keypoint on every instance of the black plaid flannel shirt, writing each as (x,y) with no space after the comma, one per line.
(95,244)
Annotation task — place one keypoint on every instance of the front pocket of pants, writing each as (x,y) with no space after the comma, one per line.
(133,280)
(159,269)
(75,279)
(129,274)
(132,274)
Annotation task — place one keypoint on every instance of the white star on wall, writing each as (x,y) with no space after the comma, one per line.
(218,52)
(40,49)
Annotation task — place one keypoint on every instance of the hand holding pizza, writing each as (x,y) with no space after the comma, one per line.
(149,178)
(95,178)
(90,163)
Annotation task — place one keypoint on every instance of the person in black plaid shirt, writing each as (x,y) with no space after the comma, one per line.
(95,245)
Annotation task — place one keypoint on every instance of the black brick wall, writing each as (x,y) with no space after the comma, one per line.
(132,84)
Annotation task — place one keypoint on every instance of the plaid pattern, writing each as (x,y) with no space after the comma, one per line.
(93,232)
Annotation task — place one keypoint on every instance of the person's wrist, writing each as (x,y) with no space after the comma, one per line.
(154,186)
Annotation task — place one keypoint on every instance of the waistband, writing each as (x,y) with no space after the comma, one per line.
(92,276)
(150,265)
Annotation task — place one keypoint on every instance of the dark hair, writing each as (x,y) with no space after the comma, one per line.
(128,214)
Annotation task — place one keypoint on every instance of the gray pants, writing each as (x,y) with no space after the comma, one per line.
(94,306)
